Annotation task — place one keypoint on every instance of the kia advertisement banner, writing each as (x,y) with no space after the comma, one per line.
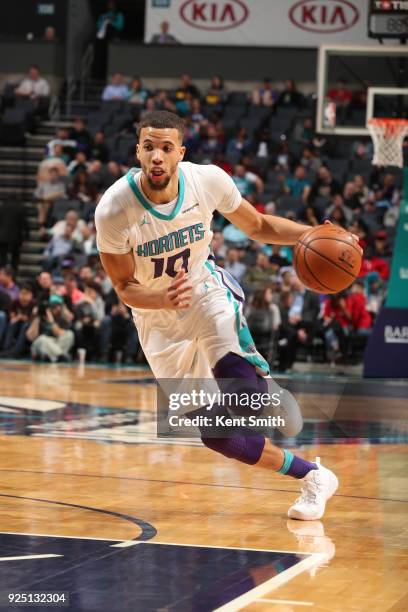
(284,23)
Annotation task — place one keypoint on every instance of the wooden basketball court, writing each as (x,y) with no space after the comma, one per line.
(92,504)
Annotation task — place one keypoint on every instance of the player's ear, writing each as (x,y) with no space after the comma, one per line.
(137,151)
(182,153)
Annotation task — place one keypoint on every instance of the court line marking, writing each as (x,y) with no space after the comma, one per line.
(147,530)
(270,585)
(288,601)
(124,543)
(50,535)
(23,558)
(319,556)
(196,484)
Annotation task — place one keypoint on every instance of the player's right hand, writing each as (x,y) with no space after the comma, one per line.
(178,294)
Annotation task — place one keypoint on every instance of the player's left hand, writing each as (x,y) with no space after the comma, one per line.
(354,236)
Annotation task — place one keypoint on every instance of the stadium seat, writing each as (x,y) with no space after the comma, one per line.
(12,127)
(238,98)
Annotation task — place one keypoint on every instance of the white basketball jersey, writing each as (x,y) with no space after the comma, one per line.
(162,240)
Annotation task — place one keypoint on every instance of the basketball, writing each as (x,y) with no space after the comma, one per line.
(326,259)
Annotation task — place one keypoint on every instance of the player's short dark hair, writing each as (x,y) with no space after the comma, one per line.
(161,120)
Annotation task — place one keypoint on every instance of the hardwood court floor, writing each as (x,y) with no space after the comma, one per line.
(79,458)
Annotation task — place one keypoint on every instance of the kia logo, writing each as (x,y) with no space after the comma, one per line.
(324,16)
(214,15)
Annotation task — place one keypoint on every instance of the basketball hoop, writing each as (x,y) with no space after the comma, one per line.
(388,136)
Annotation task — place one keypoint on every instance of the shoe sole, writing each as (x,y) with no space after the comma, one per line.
(333,486)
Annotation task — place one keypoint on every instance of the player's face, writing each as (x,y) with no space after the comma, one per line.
(159,152)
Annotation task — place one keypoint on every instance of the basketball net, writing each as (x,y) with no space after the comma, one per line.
(388,136)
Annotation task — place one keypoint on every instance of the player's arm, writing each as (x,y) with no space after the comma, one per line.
(265,228)
(121,270)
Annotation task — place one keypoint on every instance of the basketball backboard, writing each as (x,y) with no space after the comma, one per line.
(342,107)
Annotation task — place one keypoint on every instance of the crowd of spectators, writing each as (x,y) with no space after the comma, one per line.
(266,141)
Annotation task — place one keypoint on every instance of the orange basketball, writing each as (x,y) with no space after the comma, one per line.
(327,259)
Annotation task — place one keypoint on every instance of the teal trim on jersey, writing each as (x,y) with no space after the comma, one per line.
(152,209)
(287,461)
(245,339)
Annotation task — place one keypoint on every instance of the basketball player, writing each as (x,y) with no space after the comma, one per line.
(153,234)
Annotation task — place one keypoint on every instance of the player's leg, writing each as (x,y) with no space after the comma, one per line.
(318,483)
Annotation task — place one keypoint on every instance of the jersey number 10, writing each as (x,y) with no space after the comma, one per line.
(171,264)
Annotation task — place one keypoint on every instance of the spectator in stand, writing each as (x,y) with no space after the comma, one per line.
(351,198)
(50,333)
(263,319)
(81,231)
(49,192)
(36,88)
(111,23)
(287,338)
(240,144)
(263,146)
(116,90)
(304,132)
(338,205)
(338,217)
(196,113)
(380,247)
(336,321)
(79,163)
(20,315)
(298,185)
(310,215)
(50,34)
(81,136)
(278,257)
(360,318)
(99,149)
(210,143)
(109,26)
(362,150)
(264,95)
(71,289)
(63,140)
(361,189)
(112,173)
(89,313)
(233,265)
(82,188)
(218,247)
(290,97)
(137,93)
(59,161)
(216,94)
(59,248)
(342,97)
(162,101)
(43,287)
(387,191)
(246,182)
(258,275)
(14,230)
(186,88)
(8,283)
(164,38)
(309,160)
(118,335)
(324,186)
(372,216)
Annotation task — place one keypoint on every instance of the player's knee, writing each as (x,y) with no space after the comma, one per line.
(239,383)
(245,449)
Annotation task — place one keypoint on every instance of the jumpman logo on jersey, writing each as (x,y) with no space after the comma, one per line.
(145,220)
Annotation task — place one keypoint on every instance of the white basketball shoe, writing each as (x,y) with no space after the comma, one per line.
(317,487)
